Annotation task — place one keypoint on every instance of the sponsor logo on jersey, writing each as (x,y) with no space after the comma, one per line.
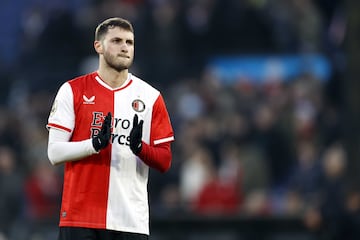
(138,105)
(90,100)
(123,126)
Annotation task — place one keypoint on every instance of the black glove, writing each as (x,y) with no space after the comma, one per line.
(136,135)
(101,140)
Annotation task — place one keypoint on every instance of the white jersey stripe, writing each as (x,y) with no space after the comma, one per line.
(169,139)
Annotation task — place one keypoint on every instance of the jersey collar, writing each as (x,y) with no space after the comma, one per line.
(124,85)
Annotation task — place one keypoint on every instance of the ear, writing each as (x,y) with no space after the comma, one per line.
(98,47)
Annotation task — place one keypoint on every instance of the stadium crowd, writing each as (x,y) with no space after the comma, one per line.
(273,148)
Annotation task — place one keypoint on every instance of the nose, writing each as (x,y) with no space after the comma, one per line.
(127,48)
(124,47)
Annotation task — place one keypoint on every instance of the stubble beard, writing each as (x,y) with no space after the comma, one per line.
(112,62)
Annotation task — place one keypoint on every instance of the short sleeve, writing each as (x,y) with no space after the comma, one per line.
(62,114)
(161,129)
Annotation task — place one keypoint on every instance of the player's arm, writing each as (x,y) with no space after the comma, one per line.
(158,157)
(61,150)
(157,154)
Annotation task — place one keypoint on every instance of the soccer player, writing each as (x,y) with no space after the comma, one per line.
(108,127)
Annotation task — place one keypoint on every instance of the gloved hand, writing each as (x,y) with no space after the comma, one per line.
(101,140)
(136,135)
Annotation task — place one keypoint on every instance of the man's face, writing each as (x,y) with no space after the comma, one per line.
(118,48)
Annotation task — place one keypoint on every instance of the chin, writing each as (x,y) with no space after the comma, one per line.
(120,69)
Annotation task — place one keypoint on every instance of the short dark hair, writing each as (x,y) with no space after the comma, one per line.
(109,23)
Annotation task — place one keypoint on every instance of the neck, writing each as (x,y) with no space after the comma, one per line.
(112,77)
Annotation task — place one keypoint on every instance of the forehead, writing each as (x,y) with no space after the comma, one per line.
(117,32)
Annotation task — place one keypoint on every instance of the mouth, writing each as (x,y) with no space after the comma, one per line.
(123,56)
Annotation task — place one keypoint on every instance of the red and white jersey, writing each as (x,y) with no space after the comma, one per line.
(108,190)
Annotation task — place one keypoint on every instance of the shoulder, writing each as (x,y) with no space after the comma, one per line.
(138,82)
(82,79)
(76,84)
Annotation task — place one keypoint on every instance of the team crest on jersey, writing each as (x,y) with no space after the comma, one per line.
(138,105)
(90,100)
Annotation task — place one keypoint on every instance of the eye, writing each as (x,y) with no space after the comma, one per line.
(129,42)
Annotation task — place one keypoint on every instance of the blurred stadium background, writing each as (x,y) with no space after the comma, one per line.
(263,96)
